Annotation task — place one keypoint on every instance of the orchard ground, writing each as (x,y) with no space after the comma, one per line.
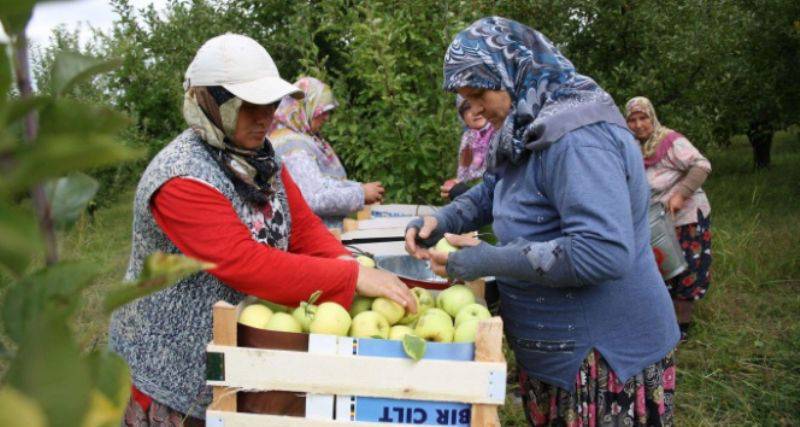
(740,365)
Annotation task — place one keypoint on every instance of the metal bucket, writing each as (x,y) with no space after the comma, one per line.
(666,248)
(412,271)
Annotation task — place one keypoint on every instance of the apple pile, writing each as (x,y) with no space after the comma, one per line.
(452,316)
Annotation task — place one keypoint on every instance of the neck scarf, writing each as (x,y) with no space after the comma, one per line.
(213,112)
(660,141)
(549,98)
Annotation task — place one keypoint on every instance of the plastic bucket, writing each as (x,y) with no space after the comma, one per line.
(666,248)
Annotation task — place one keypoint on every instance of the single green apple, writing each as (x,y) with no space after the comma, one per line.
(360,304)
(304,314)
(454,298)
(331,319)
(255,315)
(444,246)
(434,327)
(283,322)
(366,261)
(472,311)
(465,332)
(424,302)
(369,324)
(439,312)
(399,331)
(389,309)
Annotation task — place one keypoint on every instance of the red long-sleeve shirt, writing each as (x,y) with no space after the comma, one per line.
(202,223)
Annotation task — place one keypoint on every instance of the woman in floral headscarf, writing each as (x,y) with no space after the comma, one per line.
(584,311)
(676,170)
(311,160)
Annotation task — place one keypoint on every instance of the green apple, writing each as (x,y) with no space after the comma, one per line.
(283,322)
(255,315)
(304,314)
(360,304)
(434,327)
(454,299)
(331,319)
(444,246)
(424,302)
(369,324)
(438,312)
(366,261)
(472,311)
(465,332)
(399,331)
(389,309)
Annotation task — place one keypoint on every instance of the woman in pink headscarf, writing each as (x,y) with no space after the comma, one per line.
(676,171)
(311,160)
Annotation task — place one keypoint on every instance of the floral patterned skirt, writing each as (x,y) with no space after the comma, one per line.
(600,399)
(695,239)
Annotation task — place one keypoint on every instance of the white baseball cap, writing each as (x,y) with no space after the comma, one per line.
(242,66)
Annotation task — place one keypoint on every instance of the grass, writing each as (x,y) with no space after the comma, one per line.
(741,365)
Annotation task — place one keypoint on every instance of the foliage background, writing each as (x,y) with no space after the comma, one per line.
(713,68)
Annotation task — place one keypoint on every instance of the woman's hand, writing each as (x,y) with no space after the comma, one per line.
(373,192)
(675,204)
(439,259)
(448,185)
(378,283)
(429,224)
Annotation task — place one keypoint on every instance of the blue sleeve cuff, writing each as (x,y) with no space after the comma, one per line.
(541,263)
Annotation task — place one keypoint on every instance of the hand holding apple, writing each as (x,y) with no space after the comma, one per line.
(448,244)
(429,224)
(373,282)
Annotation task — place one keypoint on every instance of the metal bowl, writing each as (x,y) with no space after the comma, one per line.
(412,271)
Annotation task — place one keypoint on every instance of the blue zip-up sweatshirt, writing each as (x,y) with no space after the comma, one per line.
(574,265)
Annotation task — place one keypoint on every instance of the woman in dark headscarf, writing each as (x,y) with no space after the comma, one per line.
(584,310)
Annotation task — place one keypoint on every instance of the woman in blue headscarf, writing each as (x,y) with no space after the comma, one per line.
(582,300)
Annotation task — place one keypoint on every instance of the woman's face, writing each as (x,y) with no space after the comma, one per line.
(641,125)
(494,105)
(319,120)
(474,121)
(252,125)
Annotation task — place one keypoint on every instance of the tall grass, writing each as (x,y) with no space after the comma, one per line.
(741,365)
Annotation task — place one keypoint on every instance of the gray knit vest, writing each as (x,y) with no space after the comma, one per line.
(163,336)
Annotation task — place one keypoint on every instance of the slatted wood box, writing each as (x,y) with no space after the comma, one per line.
(315,388)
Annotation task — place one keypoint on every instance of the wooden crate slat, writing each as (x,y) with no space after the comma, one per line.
(439,380)
(488,348)
(241,419)
(224,333)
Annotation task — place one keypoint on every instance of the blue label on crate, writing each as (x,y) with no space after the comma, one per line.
(419,412)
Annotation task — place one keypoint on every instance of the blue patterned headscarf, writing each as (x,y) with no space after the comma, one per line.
(548,97)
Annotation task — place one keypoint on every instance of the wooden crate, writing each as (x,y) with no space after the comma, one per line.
(480,383)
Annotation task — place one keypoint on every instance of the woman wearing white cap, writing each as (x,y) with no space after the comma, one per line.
(219,193)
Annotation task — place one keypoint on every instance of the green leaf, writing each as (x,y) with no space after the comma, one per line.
(18,410)
(160,271)
(112,387)
(19,239)
(48,367)
(15,14)
(70,68)
(55,289)
(69,196)
(5,72)
(73,137)
(18,108)
(414,346)
(314,297)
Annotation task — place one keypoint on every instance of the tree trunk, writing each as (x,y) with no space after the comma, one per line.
(761,141)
